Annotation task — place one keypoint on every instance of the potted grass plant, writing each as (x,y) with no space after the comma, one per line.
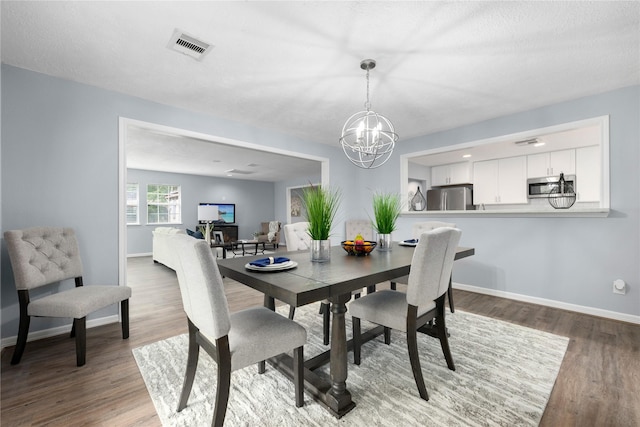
(321,205)
(386,210)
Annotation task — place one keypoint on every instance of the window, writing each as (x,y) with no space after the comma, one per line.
(164,205)
(133,203)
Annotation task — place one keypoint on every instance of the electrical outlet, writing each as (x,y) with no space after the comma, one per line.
(619,287)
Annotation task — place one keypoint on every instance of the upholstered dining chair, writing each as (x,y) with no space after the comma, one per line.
(234,340)
(353,227)
(416,230)
(42,256)
(423,302)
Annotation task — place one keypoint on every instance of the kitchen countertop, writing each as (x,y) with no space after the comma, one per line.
(516,213)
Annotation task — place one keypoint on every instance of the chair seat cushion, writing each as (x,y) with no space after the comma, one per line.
(258,333)
(78,302)
(386,308)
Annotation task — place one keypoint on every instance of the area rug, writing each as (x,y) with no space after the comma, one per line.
(504,376)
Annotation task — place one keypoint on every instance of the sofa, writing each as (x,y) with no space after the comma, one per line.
(162,251)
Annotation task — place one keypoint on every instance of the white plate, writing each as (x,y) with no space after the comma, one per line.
(272,267)
(408,244)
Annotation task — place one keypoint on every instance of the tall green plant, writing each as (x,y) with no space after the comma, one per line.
(321,205)
(386,210)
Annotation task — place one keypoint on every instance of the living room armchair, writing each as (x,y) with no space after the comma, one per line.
(270,233)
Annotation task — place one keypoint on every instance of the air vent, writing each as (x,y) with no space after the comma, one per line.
(531,141)
(189,45)
(239,172)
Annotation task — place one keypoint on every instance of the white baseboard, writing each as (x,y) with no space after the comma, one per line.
(59,330)
(550,303)
(139,255)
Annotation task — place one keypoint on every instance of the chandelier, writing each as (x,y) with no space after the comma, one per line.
(368,138)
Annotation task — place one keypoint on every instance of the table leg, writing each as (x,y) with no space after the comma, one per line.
(339,398)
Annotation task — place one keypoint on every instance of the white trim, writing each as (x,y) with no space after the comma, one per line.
(623,317)
(139,255)
(59,330)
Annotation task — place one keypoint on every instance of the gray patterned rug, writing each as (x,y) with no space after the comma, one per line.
(504,376)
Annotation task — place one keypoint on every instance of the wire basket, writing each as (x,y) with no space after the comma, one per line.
(562,196)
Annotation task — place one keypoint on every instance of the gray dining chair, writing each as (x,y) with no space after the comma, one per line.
(43,256)
(421,308)
(416,230)
(233,340)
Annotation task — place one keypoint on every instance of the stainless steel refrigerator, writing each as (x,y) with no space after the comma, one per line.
(450,199)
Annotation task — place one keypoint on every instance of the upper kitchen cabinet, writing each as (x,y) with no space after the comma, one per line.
(551,164)
(451,174)
(588,174)
(501,181)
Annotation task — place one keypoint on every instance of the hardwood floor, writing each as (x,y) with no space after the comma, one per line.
(598,383)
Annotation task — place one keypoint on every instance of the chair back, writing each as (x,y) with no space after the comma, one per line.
(420,227)
(353,227)
(297,237)
(43,255)
(431,265)
(201,286)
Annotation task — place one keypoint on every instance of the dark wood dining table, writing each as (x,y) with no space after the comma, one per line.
(333,280)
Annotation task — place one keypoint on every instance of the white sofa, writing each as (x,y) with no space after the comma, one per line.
(162,251)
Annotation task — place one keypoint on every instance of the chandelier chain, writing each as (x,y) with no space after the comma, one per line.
(367,105)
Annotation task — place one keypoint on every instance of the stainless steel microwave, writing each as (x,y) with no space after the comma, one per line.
(541,187)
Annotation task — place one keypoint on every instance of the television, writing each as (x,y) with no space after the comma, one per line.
(226,213)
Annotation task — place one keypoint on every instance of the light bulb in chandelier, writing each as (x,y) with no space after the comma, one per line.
(368,138)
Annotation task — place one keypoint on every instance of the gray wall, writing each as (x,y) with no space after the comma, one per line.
(60,167)
(254,202)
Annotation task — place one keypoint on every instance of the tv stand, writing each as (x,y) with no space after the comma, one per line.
(229,231)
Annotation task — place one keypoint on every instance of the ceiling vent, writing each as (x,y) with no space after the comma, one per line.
(188,45)
(525,142)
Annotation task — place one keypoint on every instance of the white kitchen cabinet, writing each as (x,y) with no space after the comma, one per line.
(501,181)
(588,174)
(551,163)
(454,173)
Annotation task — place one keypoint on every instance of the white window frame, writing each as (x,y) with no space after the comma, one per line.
(174,209)
(133,203)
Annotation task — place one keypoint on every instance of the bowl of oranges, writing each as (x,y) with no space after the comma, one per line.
(358,246)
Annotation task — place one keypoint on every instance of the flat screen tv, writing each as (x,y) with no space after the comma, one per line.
(226,213)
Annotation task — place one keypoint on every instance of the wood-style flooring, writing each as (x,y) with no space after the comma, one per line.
(598,383)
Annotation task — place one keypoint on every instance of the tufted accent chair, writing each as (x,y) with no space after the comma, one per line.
(353,227)
(45,255)
(296,236)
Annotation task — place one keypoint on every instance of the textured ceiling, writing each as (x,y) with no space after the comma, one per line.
(294,66)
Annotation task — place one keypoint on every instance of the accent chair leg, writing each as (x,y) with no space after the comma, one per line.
(262,367)
(80,327)
(298,375)
(224,381)
(357,341)
(412,346)
(124,312)
(292,312)
(192,364)
(393,286)
(326,323)
(23,332)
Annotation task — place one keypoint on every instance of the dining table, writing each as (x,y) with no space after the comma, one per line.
(310,282)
